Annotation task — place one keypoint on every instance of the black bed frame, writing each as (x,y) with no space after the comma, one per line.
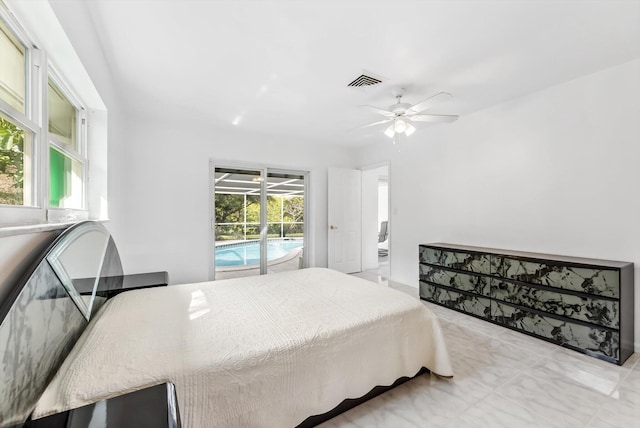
(350,403)
(40,321)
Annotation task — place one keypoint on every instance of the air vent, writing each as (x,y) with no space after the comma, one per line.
(364,80)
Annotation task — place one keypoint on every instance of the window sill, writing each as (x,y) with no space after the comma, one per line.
(23,229)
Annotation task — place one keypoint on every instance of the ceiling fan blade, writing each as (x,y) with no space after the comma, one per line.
(435,118)
(380,111)
(376,123)
(428,103)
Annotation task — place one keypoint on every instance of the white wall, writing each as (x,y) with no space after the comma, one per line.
(79,29)
(166,191)
(383,201)
(557,171)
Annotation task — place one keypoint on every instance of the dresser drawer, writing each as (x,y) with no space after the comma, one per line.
(461,281)
(477,305)
(602,282)
(471,262)
(590,309)
(595,341)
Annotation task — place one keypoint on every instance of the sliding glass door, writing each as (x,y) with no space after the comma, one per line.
(285,220)
(258,221)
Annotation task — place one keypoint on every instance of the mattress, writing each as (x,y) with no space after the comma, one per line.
(262,351)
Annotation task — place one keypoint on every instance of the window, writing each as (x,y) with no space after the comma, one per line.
(66,148)
(44,136)
(17,130)
(12,69)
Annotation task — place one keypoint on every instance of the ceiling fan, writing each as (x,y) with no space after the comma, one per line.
(400,115)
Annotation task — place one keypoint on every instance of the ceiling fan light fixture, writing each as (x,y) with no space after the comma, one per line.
(389,132)
(399,126)
(410,129)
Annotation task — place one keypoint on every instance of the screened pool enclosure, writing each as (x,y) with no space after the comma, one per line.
(259,221)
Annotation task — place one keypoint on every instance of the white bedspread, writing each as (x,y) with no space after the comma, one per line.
(264,351)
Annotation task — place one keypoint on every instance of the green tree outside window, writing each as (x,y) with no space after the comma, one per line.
(11,163)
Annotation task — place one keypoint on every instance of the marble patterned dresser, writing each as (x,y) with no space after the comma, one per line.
(582,304)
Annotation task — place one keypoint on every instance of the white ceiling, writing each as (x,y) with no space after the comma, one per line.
(282,67)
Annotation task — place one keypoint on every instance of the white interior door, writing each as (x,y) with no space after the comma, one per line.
(344,218)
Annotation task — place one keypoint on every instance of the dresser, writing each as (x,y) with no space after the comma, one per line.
(583,304)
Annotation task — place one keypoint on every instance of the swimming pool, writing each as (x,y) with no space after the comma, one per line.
(248,253)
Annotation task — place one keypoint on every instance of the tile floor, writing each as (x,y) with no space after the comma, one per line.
(504,379)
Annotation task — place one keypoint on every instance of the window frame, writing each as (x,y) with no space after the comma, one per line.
(80,154)
(29,120)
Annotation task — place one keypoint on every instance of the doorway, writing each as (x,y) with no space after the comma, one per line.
(258,221)
(376,225)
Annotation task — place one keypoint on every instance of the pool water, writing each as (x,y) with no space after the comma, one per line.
(248,253)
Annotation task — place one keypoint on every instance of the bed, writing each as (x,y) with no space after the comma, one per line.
(270,350)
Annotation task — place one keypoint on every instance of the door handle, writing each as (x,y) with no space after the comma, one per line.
(332,227)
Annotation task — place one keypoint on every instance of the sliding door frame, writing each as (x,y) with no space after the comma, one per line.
(264,175)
